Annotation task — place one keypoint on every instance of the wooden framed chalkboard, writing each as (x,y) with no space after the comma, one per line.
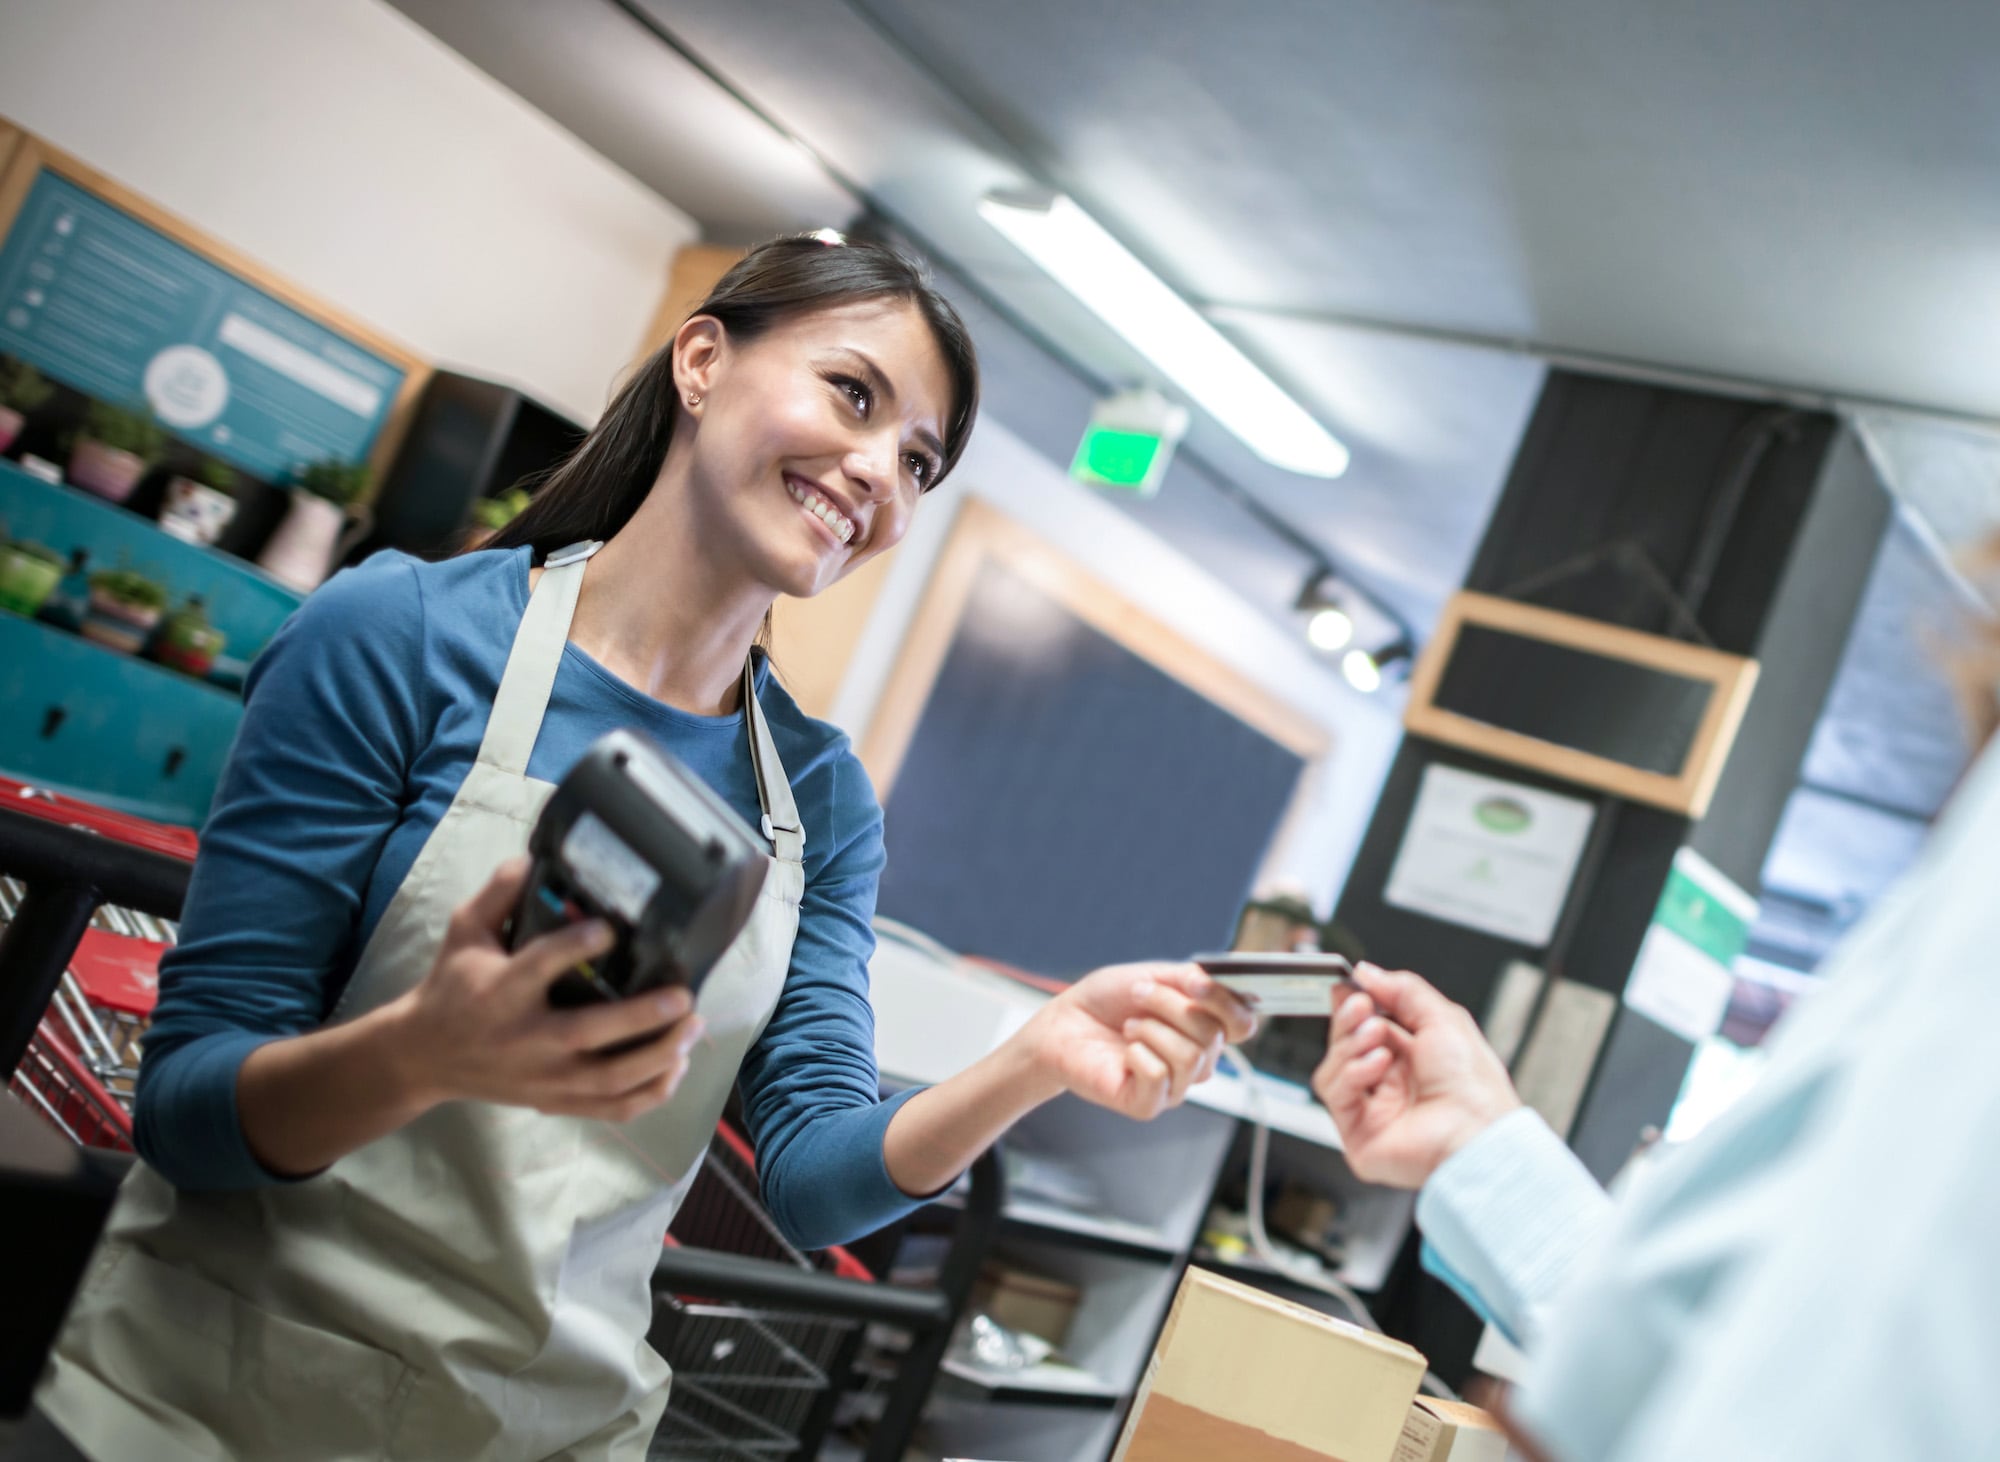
(1068,781)
(1637,715)
(114,296)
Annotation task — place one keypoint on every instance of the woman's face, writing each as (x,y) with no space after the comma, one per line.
(813,440)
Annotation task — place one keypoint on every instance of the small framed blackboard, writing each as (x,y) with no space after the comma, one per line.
(1637,715)
(1068,781)
(117,298)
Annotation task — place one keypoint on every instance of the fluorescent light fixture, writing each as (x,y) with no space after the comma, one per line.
(1079,255)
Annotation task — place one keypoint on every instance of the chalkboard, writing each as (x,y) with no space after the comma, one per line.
(103,301)
(1636,714)
(1065,803)
(1641,716)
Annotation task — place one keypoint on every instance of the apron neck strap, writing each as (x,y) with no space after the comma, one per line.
(774,789)
(525,686)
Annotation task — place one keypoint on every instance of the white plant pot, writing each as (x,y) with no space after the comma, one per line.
(302,551)
(194,512)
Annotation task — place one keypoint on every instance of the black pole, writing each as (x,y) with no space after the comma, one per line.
(68,871)
(34,952)
(969,1247)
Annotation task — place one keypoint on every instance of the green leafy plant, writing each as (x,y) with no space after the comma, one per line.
(495,513)
(23,388)
(129,586)
(123,430)
(337,481)
(215,473)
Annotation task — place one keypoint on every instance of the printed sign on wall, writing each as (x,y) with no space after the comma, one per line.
(106,304)
(1489,854)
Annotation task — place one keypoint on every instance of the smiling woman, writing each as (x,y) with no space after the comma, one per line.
(426,1204)
(783,283)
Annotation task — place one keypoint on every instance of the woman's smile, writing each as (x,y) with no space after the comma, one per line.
(825,513)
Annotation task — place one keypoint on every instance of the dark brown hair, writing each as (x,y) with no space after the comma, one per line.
(599,487)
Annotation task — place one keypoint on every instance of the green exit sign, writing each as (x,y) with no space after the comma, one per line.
(1129,442)
(1108,457)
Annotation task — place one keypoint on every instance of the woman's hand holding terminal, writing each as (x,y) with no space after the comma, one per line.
(1408,1078)
(478,1027)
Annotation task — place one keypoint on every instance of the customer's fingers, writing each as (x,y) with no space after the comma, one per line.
(1194,1018)
(1408,999)
(1344,1087)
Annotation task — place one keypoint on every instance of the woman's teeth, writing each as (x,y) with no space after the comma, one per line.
(826,512)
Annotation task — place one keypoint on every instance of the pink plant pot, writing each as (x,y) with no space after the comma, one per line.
(104,470)
(11,422)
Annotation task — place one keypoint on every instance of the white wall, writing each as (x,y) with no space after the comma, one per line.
(338,143)
(1001,469)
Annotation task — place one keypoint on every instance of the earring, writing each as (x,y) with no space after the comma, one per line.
(694,400)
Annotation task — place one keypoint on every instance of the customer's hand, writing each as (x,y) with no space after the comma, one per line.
(1408,1078)
(479,1026)
(1135,1037)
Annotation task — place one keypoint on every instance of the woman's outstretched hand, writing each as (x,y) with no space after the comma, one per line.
(1408,1078)
(1135,1037)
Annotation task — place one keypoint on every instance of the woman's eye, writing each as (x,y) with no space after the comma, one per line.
(855,391)
(922,468)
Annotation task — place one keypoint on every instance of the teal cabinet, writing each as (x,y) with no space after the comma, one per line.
(114,729)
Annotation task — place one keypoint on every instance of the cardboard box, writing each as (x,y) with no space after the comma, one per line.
(1243,1375)
(1450,1431)
(1028,1303)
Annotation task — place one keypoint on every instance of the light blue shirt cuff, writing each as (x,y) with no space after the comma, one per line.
(1506,1218)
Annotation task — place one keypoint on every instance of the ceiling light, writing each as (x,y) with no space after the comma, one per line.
(1101,272)
(1329,629)
(1361,671)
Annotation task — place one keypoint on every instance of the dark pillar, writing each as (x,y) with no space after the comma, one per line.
(1763,523)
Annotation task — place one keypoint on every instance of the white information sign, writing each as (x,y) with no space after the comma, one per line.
(1489,854)
(1685,972)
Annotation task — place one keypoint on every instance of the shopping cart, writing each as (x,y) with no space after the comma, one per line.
(80,1066)
(750,1382)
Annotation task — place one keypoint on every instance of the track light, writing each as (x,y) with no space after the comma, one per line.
(1329,629)
(1364,669)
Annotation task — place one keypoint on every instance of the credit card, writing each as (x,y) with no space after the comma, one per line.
(1280,984)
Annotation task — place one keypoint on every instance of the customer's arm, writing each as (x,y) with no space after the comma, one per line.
(1423,1102)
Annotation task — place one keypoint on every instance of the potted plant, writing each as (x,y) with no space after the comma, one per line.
(326,518)
(22,393)
(113,449)
(491,514)
(29,573)
(187,641)
(199,504)
(125,607)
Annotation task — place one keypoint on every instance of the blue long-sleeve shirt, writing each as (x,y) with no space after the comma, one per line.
(360,721)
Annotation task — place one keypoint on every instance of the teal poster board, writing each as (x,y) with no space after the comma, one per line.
(106,304)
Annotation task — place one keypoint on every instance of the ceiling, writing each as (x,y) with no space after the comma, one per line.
(1403,209)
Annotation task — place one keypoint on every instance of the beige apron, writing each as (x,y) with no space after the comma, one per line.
(474,1285)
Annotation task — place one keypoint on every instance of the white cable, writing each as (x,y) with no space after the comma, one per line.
(1260,1238)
